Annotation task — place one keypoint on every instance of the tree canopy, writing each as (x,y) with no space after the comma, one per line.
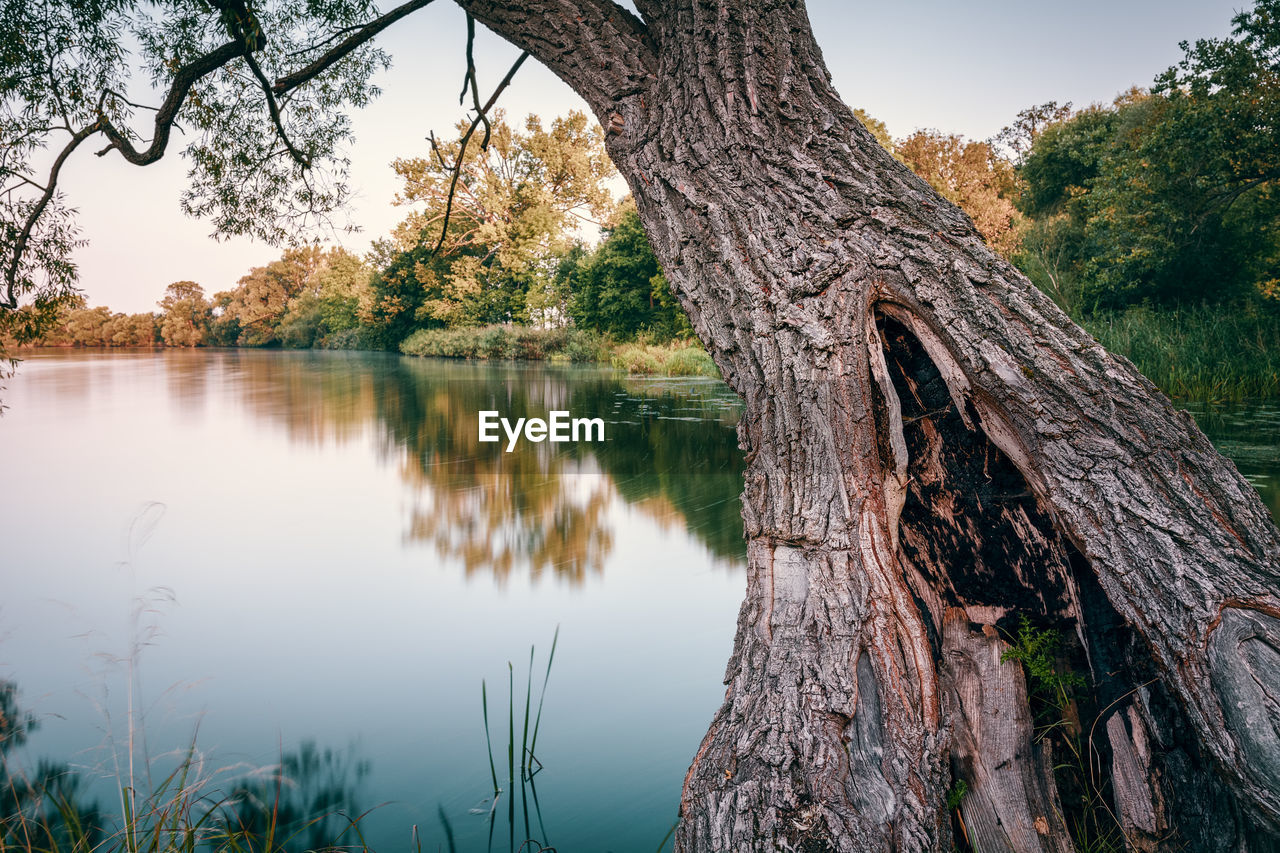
(259,88)
(512,208)
(1169,195)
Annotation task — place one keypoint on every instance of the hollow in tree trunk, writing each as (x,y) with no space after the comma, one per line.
(943,471)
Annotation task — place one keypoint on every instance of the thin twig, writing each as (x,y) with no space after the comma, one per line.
(333,35)
(466,137)
(470,82)
(119,97)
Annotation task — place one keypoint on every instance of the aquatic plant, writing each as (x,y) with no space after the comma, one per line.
(529,763)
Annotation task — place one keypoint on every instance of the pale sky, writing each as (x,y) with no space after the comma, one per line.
(959,67)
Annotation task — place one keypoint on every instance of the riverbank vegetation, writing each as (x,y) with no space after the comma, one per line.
(1154,221)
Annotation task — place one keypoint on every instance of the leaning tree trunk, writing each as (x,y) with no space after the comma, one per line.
(939,462)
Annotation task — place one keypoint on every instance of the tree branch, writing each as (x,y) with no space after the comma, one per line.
(182,82)
(274,108)
(119,97)
(469,78)
(470,82)
(466,137)
(344,47)
(242,45)
(604,52)
(51,186)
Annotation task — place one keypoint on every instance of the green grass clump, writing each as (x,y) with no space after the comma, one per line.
(183,813)
(676,359)
(305,803)
(522,343)
(519,786)
(957,794)
(504,342)
(636,359)
(1208,353)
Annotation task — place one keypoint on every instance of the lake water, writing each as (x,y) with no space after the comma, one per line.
(281,547)
(278,549)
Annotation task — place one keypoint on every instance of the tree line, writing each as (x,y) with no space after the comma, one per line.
(506,244)
(1165,197)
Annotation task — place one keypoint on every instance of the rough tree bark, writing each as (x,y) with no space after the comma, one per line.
(934,451)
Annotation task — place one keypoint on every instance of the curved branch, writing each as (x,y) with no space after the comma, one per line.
(51,186)
(165,116)
(274,108)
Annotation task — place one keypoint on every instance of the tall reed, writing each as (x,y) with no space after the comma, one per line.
(529,763)
(1205,353)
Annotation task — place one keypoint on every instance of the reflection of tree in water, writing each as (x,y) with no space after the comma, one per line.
(671,452)
(546,515)
(44,809)
(681,456)
(316,398)
(307,802)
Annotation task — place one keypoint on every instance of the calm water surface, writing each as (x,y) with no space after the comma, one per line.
(281,549)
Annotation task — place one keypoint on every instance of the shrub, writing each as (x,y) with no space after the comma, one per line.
(690,361)
(346,339)
(583,347)
(573,345)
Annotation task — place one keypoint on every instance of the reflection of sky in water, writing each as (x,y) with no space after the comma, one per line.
(347,563)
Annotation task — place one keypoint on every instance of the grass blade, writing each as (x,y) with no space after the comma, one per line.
(484,705)
(511,723)
(448,828)
(528,694)
(670,832)
(533,747)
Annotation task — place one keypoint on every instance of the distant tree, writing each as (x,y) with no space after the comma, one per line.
(619,289)
(1056,172)
(517,204)
(1018,137)
(342,287)
(971,174)
(1170,195)
(260,300)
(87,327)
(185,317)
(303,322)
(405,279)
(224,325)
(1188,202)
(132,330)
(549,300)
(877,128)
